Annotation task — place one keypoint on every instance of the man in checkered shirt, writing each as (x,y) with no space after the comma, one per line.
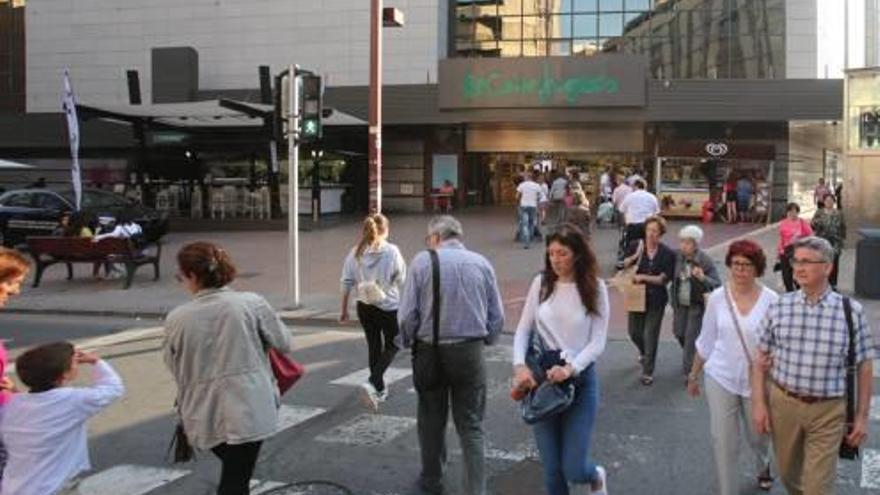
(804,343)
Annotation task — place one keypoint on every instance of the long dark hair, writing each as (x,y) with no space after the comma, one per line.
(585,266)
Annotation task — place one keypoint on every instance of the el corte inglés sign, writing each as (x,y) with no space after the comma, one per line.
(541,82)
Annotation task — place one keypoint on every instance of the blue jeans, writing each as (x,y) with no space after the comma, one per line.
(564,440)
(528,218)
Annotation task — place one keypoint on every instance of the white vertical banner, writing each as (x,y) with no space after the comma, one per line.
(68,105)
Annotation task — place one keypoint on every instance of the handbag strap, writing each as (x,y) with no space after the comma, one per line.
(435,282)
(742,339)
(850,363)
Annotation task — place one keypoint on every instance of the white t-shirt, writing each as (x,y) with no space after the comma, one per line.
(530,193)
(579,335)
(605,184)
(638,205)
(719,344)
(620,193)
(45,433)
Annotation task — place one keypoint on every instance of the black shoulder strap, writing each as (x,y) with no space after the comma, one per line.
(850,363)
(435,282)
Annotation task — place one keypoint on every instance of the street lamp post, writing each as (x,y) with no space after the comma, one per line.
(379,18)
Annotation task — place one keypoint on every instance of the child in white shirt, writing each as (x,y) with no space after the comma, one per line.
(45,430)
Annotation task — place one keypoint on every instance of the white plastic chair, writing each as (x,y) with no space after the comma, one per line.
(195,210)
(218,206)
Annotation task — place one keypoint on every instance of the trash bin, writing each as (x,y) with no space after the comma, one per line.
(868,264)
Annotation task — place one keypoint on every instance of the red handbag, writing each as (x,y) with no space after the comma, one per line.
(287,371)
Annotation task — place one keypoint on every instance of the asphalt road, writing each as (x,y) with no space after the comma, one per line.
(652,440)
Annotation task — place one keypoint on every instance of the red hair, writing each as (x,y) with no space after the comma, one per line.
(12,264)
(749,250)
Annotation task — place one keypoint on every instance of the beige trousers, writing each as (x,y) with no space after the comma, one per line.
(806,439)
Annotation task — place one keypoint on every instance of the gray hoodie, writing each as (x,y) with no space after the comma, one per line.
(384,265)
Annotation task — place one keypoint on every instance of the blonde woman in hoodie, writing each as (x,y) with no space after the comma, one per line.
(375,271)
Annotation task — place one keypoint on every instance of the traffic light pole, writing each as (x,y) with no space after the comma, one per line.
(293,185)
(375,130)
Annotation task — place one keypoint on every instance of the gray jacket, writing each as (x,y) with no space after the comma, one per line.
(216,349)
(383,265)
(710,282)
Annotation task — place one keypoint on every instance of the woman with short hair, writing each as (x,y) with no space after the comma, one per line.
(695,277)
(567,305)
(13,269)
(216,347)
(725,350)
(655,267)
(375,271)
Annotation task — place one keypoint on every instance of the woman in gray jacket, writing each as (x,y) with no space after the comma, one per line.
(375,270)
(216,348)
(695,276)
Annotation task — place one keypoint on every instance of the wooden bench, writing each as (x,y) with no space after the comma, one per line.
(48,251)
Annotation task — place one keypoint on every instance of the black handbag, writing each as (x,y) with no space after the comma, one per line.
(180,449)
(427,369)
(847,451)
(547,399)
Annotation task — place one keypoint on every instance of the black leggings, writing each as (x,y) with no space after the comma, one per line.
(788,274)
(380,328)
(238,466)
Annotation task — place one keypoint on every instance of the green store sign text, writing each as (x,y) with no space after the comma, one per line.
(546,86)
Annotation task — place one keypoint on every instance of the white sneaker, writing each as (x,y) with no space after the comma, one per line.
(369,396)
(604,478)
(383,395)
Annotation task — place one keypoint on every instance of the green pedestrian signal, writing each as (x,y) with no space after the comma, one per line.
(312,108)
(310,127)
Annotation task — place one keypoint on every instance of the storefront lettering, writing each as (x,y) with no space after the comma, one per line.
(495,85)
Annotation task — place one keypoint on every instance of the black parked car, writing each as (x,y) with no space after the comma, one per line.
(27,212)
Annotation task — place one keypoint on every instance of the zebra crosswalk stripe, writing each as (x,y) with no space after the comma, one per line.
(360,376)
(870,468)
(129,479)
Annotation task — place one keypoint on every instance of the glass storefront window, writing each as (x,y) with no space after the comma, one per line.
(585,26)
(610,24)
(585,6)
(611,5)
(863,110)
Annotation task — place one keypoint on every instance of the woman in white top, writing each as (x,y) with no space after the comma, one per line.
(568,306)
(725,350)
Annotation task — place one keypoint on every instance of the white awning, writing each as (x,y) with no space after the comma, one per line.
(6,164)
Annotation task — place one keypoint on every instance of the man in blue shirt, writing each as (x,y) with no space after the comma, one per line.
(450,370)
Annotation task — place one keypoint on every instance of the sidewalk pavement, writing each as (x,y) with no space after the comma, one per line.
(262,262)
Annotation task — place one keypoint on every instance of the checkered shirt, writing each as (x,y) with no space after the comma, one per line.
(809,342)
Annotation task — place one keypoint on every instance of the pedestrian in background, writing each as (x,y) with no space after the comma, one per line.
(530,196)
(829,224)
(745,190)
(725,350)
(567,305)
(791,228)
(819,193)
(637,207)
(655,267)
(13,269)
(805,339)
(558,192)
(730,198)
(449,311)
(375,270)
(216,347)
(695,277)
(579,213)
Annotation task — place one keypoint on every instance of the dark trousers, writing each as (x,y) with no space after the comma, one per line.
(788,274)
(832,279)
(634,232)
(238,466)
(453,374)
(381,328)
(644,330)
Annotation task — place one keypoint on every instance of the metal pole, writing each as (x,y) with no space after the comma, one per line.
(293,186)
(316,185)
(375,139)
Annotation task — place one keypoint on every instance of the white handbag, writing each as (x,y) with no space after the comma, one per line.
(369,291)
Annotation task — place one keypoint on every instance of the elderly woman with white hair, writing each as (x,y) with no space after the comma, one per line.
(695,277)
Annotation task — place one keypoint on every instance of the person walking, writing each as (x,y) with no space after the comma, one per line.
(804,341)
(725,348)
(655,267)
(13,270)
(730,198)
(567,305)
(375,270)
(637,207)
(530,196)
(216,347)
(579,213)
(695,277)
(819,193)
(791,228)
(559,189)
(449,311)
(745,190)
(829,224)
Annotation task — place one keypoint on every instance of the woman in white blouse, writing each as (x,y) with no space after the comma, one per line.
(725,350)
(568,306)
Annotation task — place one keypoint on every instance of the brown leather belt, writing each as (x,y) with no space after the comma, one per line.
(806,399)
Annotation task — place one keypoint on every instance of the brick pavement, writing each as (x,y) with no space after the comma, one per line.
(261,258)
